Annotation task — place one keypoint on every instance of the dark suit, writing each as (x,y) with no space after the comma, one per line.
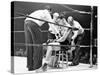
(76,52)
(34,53)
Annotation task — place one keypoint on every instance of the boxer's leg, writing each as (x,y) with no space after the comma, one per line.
(48,54)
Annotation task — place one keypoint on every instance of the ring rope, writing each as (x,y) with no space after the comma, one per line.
(43,21)
(44,30)
(22,44)
(20,17)
(76,11)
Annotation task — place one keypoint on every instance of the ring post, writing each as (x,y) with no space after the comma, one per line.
(91,29)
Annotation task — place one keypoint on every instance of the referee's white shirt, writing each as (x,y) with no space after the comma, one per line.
(80,29)
(44,15)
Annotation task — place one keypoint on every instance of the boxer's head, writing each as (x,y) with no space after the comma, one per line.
(62,15)
(55,15)
(70,20)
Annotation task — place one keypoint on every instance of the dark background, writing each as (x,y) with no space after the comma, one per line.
(29,7)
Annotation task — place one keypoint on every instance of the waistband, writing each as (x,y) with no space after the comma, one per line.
(30,21)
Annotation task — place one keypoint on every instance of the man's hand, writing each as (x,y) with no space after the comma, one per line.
(70,51)
(55,40)
(57,35)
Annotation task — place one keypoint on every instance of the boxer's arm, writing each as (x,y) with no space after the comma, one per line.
(63,38)
(76,32)
(75,35)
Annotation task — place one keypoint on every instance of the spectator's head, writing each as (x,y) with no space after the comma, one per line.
(70,20)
